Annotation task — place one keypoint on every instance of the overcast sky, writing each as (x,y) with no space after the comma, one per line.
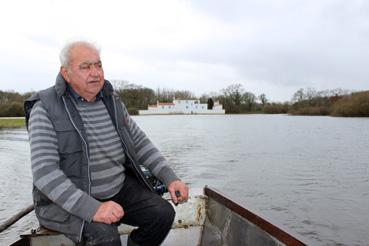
(269,46)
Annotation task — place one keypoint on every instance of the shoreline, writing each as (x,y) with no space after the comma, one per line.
(12,122)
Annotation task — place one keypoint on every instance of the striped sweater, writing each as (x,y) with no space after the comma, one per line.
(107,175)
(106,151)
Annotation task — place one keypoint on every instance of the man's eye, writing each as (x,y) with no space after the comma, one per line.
(84,67)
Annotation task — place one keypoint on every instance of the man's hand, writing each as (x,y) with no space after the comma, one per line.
(181,189)
(108,212)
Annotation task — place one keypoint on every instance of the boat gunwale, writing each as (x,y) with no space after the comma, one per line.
(271,229)
(214,194)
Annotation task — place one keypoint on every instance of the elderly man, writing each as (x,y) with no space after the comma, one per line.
(86,153)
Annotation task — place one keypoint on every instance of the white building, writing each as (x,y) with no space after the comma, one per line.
(182,107)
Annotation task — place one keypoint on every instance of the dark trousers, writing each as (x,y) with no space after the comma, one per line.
(152,214)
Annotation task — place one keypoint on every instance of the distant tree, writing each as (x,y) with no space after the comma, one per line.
(134,96)
(276,108)
(204,98)
(11,104)
(308,101)
(213,95)
(310,95)
(232,96)
(263,99)
(166,95)
(354,105)
(12,109)
(184,95)
(249,99)
(10,96)
(298,96)
(210,103)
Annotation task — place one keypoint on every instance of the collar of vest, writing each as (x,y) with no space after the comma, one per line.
(61,86)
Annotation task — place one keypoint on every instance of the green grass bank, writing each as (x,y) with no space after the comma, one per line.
(12,122)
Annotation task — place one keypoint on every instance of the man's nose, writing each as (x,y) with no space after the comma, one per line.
(94,71)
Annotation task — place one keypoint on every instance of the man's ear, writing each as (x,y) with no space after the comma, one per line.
(64,73)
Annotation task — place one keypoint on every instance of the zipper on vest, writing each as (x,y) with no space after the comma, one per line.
(126,148)
(88,160)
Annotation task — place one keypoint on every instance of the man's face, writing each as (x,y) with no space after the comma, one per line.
(84,73)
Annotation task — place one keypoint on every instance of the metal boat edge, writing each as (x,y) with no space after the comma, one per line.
(213,217)
(238,225)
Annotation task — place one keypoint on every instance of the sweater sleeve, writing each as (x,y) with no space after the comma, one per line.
(47,175)
(148,154)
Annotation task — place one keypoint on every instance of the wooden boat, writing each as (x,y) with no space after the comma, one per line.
(207,219)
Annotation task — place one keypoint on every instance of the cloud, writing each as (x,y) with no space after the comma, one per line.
(275,47)
(293,42)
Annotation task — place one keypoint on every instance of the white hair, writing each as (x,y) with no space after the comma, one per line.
(64,55)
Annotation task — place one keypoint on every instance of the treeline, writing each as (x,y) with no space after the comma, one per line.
(336,102)
(234,98)
(11,103)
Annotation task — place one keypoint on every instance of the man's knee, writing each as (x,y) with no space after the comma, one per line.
(101,234)
(170,211)
(166,212)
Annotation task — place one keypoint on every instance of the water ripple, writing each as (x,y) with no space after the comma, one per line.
(307,174)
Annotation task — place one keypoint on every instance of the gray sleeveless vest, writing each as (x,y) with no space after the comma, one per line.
(74,151)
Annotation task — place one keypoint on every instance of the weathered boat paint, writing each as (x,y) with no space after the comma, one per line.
(228,223)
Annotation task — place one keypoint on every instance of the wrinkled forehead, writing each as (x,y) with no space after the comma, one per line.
(84,54)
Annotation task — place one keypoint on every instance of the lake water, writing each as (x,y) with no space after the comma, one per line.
(308,175)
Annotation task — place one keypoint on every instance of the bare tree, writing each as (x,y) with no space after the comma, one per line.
(232,96)
(250,99)
(263,99)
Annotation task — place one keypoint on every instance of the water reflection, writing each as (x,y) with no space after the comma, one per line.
(309,175)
